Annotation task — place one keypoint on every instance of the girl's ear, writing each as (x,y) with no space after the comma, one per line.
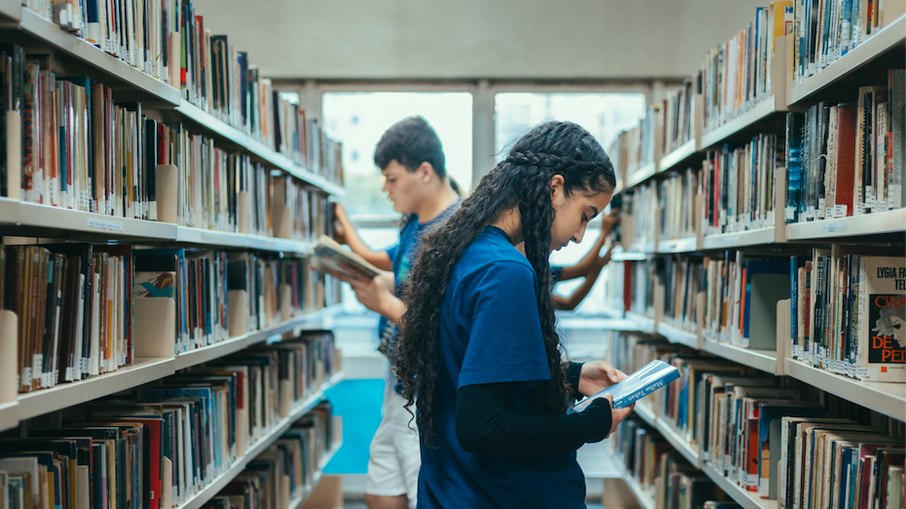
(558,190)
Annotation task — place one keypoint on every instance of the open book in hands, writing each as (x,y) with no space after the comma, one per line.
(653,376)
(331,256)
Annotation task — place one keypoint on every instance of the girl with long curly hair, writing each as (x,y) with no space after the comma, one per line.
(479,355)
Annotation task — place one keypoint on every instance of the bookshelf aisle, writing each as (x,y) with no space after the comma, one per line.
(779,223)
(154,270)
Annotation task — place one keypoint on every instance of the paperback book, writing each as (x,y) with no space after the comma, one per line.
(651,377)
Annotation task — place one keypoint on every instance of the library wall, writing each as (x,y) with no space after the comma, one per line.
(533,39)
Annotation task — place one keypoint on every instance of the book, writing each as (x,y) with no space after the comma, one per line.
(332,256)
(653,376)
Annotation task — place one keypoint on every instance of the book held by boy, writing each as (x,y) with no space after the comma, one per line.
(330,255)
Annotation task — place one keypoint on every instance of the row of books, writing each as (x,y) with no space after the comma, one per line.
(80,150)
(737,74)
(683,280)
(845,305)
(680,214)
(847,310)
(160,444)
(823,32)
(738,185)
(285,470)
(167,40)
(631,286)
(846,159)
(83,308)
(741,294)
(677,120)
(145,35)
(639,217)
(662,472)
(635,148)
(735,419)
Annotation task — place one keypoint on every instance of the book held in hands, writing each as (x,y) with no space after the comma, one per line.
(651,377)
(330,255)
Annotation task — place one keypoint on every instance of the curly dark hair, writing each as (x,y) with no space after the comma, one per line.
(523,181)
(411,142)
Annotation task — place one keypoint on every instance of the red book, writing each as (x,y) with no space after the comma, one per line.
(846,155)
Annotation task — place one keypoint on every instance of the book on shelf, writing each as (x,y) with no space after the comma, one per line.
(330,255)
(848,306)
(662,472)
(846,158)
(825,32)
(677,121)
(774,439)
(679,214)
(651,377)
(741,294)
(738,185)
(738,74)
(161,444)
(287,469)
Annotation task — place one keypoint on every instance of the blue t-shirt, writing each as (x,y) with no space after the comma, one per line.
(490,332)
(402,256)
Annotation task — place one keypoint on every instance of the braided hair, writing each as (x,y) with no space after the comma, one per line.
(521,181)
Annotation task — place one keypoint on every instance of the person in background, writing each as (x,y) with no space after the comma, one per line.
(411,158)
(589,267)
(479,355)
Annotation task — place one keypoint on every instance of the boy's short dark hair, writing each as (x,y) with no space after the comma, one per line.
(411,141)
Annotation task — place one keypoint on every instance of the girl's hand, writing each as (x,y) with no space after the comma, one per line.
(617,414)
(597,376)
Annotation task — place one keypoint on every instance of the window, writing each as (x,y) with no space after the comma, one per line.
(360,118)
(603,114)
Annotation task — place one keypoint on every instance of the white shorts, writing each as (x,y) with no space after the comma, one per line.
(394,456)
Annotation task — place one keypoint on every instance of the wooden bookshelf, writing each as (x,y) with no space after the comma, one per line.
(646,324)
(297,502)
(64,395)
(674,159)
(33,219)
(641,175)
(10,11)
(684,245)
(667,430)
(735,240)
(889,38)
(50,221)
(756,114)
(679,336)
(242,240)
(232,345)
(9,415)
(888,398)
(142,371)
(642,496)
(114,70)
(631,256)
(225,132)
(763,360)
(239,464)
(746,499)
(879,223)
